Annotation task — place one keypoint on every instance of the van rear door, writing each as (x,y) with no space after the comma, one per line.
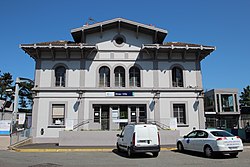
(146,136)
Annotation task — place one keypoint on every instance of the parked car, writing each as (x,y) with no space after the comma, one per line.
(210,142)
(139,138)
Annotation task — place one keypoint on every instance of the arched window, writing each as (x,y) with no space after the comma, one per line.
(60,74)
(134,77)
(119,77)
(177,77)
(104,77)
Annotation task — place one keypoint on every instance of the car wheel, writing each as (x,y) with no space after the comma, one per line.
(155,154)
(234,155)
(130,154)
(180,147)
(208,151)
(118,148)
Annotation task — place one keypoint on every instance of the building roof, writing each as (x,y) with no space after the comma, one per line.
(57,44)
(203,50)
(80,33)
(183,44)
(179,45)
(79,43)
(32,49)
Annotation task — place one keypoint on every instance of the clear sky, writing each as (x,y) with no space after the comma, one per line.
(221,23)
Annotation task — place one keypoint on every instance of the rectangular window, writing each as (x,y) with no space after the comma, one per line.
(227,102)
(180,113)
(58,114)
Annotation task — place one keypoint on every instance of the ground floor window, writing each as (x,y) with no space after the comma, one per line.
(58,114)
(222,122)
(121,115)
(180,113)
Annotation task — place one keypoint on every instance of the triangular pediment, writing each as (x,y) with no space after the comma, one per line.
(158,34)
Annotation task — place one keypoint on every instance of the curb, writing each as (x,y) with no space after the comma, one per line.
(73,150)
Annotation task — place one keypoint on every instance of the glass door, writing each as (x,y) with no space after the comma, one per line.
(123,116)
(138,114)
(105,117)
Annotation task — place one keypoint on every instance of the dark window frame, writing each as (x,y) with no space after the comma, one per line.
(177,77)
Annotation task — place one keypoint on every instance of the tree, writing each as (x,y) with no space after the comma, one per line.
(25,95)
(5,83)
(245,97)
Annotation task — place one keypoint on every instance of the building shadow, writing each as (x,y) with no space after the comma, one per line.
(135,156)
(199,154)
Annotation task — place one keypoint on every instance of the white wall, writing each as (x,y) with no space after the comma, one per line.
(105,42)
(44,110)
(47,73)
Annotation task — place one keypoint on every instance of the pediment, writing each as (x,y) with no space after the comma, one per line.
(80,34)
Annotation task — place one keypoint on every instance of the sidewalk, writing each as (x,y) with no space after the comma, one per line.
(53,147)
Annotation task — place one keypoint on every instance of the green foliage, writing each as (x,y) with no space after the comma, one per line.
(25,94)
(25,91)
(245,97)
(5,83)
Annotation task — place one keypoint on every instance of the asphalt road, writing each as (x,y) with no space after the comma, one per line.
(107,159)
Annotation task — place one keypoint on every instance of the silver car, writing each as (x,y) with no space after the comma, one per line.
(210,142)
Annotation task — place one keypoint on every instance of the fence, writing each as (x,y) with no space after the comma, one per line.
(19,136)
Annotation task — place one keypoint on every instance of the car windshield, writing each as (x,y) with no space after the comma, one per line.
(222,134)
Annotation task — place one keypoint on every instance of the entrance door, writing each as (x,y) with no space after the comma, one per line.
(142,114)
(105,117)
(123,116)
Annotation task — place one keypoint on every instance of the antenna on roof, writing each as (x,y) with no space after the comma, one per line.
(90,21)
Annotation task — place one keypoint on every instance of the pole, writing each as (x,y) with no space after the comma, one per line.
(14,114)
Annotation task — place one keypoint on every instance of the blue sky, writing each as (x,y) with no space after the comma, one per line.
(221,23)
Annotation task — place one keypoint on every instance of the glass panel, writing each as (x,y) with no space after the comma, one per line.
(179,113)
(227,103)
(105,117)
(119,77)
(123,115)
(123,112)
(97,114)
(104,77)
(209,101)
(133,108)
(222,134)
(133,113)
(134,77)
(142,114)
(58,112)
(60,76)
(192,135)
(177,77)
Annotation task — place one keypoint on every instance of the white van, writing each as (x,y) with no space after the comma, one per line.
(139,138)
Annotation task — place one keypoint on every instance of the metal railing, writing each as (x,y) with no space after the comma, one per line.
(160,125)
(19,136)
(84,122)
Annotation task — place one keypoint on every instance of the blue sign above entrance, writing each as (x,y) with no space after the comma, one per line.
(127,93)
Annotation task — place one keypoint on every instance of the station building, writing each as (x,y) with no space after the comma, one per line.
(113,73)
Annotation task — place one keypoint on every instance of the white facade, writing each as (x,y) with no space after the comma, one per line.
(128,45)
